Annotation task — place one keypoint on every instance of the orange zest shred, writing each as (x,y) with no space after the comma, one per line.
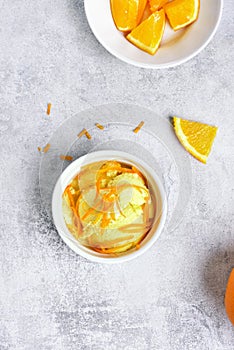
(69,158)
(39,149)
(87,134)
(99,126)
(132,228)
(91,210)
(81,133)
(108,207)
(117,189)
(88,212)
(112,215)
(48,108)
(119,208)
(138,128)
(105,221)
(138,246)
(110,197)
(67,190)
(113,251)
(98,184)
(46,148)
(78,204)
(77,222)
(98,217)
(117,168)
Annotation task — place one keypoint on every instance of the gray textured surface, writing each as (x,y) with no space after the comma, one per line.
(170,298)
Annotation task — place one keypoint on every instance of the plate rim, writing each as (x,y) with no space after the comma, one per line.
(111,107)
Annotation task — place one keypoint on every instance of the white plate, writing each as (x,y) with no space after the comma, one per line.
(156,145)
(176,47)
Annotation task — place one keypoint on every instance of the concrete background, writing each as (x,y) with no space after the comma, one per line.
(50,298)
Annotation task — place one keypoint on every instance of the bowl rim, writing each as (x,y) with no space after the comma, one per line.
(156,66)
(70,171)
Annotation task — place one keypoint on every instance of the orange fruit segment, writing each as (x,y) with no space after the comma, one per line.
(229,297)
(157,4)
(127,13)
(147,12)
(197,138)
(141,9)
(148,35)
(181,13)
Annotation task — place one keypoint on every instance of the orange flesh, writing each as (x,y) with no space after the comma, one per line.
(147,36)
(181,13)
(134,16)
(157,4)
(127,13)
(197,138)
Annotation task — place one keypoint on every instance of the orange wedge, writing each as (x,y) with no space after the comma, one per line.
(141,9)
(181,13)
(157,4)
(197,138)
(147,12)
(127,13)
(148,35)
(229,297)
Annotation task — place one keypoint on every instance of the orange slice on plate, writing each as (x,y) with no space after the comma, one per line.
(197,138)
(157,4)
(181,13)
(141,9)
(127,13)
(147,12)
(148,35)
(229,297)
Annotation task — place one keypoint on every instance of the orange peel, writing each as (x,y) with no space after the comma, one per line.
(229,298)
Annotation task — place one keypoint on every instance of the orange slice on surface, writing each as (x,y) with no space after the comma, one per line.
(157,4)
(181,13)
(229,297)
(127,13)
(148,35)
(197,138)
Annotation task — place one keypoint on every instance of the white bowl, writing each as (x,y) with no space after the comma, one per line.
(68,175)
(176,47)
